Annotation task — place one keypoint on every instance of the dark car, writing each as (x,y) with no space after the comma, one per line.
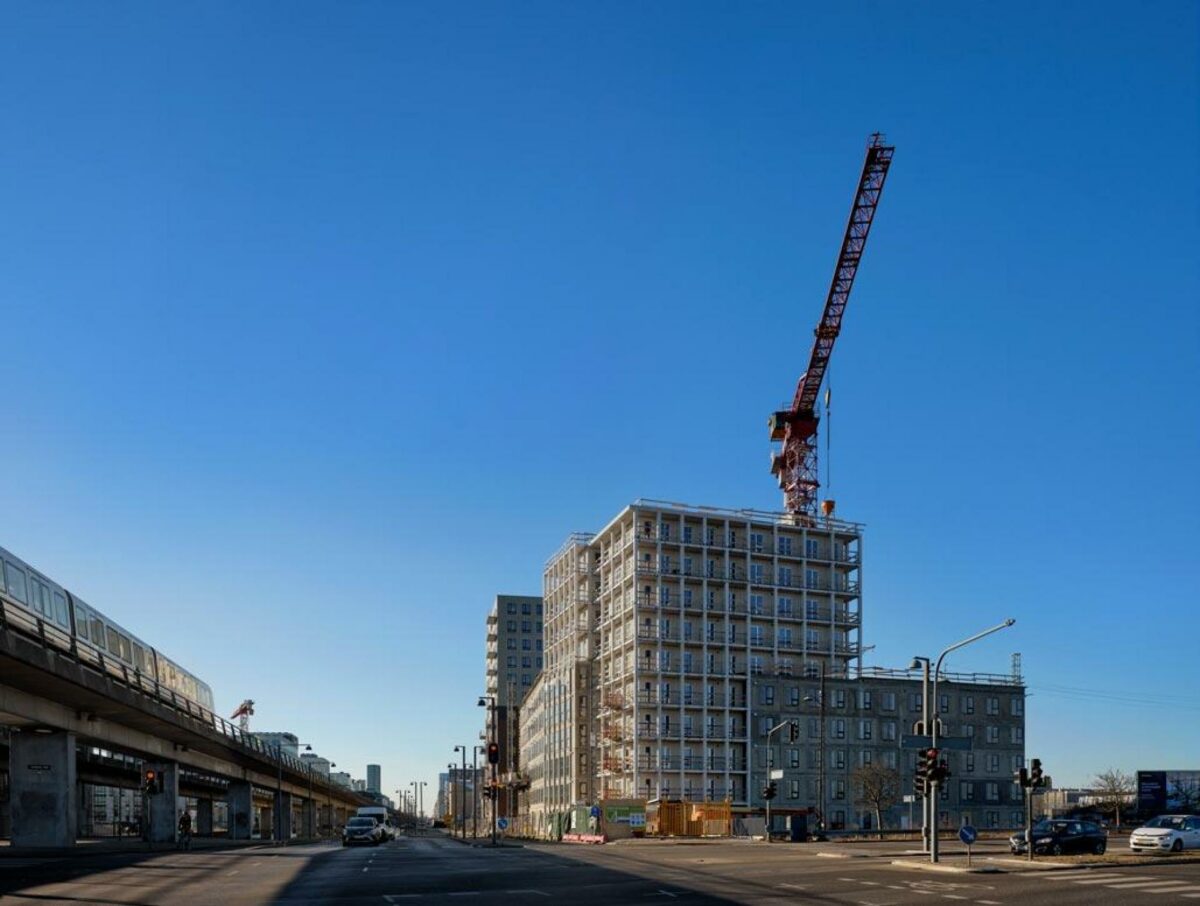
(1056,836)
(362,830)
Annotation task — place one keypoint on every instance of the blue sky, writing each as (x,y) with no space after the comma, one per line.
(324,323)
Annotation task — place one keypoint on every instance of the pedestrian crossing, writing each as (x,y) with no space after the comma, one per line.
(1134,883)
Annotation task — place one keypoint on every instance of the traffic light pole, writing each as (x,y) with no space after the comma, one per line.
(794,728)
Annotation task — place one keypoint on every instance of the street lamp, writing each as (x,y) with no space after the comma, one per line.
(421,797)
(329,789)
(462,794)
(820,699)
(927,805)
(489,702)
(937,671)
(475,750)
(450,796)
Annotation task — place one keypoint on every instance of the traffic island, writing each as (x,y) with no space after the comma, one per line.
(955,867)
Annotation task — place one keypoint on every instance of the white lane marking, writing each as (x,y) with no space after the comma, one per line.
(235,871)
(1190,896)
(989,902)
(1109,879)
(870,883)
(1149,884)
(540,893)
(793,886)
(667,893)
(1080,873)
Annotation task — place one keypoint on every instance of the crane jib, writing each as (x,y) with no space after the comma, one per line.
(795,464)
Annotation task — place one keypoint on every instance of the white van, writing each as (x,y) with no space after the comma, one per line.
(380,814)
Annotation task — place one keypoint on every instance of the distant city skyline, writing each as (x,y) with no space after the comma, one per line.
(313,346)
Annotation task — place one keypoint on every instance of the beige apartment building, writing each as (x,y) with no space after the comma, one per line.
(677,636)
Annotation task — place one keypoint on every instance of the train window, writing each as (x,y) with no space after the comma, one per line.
(14,581)
(60,609)
(81,621)
(37,595)
(97,630)
(113,640)
(126,654)
(138,654)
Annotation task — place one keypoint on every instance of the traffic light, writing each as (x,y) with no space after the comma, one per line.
(493,753)
(920,787)
(793,730)
(943,770)
(151,782)
(770,790)
(1035,773)
(1023,778)
(927,764)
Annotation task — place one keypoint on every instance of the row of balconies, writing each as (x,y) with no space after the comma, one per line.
(760,639)
(691,763)
(650,731)
(689,699)
(838,583)
(826,552)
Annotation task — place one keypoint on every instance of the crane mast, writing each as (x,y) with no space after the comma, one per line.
(795,463)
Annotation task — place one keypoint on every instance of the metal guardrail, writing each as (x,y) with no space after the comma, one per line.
(51,635)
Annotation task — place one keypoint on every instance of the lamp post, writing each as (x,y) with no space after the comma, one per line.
(937,671)
(489,702)
(922,663)
(462,793)
(421,798)
(475,753)
(448,801)
(820,752)
(329,789)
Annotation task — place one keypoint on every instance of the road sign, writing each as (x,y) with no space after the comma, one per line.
(909,798)
(502,823)
(777,774)
(964,743)
(595,811)
(967,834)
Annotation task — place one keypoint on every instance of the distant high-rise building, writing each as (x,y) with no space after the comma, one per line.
(374,779)
(316,762)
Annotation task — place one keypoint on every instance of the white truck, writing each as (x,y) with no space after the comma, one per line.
(380,814)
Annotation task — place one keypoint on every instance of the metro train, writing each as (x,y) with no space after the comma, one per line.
(96,638)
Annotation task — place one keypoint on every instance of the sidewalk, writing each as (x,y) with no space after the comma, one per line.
(107,846)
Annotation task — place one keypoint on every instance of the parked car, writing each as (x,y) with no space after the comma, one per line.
(362,830)
(1057,836)
(1167,833)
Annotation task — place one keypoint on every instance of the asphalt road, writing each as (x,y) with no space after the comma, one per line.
(430,871)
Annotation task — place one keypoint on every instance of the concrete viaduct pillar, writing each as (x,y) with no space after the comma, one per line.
(41,769)
(163,808)
(308,818)
(282,811)
(241,810)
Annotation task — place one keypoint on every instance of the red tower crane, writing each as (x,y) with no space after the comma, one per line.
(795,464)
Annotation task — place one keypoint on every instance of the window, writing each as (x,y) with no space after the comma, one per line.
(864,700)
(756,572)
(993,705)
(993,792)
(81,622)
(526,679)
(864,729)
(785,607)
(510,625)
(888,733)
(526,661)
(866,758)
(888,701)
(687,534)
(839,729)
(526,626)
(784,546)
(511,661)
(966,791)
(511,645)
(915,705)
(794,758)
(944,704)
(839,698)
(793,789)
(839,789)
(526,644)
(756,542)
(969,759)
(993,734)
(97,630)
(756,604)
(756,665)
(538,643)
(812,579)
(113,639)
(14,580)
(710,536)
(785,637)
(664,531)
(785,576)
(968,704)
(60,609)
(812,548)
(1018,706)
(768,695)
(812,637)
(756,635)
(1017,734)
(993,764)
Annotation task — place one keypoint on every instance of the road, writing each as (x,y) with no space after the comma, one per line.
(432,870)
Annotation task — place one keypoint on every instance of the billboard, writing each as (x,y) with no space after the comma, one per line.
(1151,791)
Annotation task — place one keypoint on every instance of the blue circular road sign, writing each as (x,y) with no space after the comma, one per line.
(502,823)
(967,834)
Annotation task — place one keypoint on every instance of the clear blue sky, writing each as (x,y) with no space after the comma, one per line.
(324,323)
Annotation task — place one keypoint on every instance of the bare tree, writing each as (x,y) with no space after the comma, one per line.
(1185,791)
(876,787)
(1113,790)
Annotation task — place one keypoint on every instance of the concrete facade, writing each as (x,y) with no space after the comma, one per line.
(164,806)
